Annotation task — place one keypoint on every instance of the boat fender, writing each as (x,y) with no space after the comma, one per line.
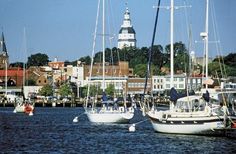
(160,116)
(208,110)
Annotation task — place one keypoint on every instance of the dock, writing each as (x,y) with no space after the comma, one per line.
(57,103)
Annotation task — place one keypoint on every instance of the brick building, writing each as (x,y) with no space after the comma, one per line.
(14,77)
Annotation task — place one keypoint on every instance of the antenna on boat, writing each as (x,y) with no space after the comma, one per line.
(204,36)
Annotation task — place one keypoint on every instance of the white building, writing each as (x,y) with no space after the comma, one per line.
(162,83)
(127,36)
(118,82)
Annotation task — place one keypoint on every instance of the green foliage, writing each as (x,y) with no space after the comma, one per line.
(230,60)
(223,66)
(110,90)
(65,90)
(86,60)
(38,59)
(17,64)
(30,82)
(46,90)
(181,56)
(140,70)
(215,70)
(93,90)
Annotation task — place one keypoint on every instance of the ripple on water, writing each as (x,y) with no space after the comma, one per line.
(52,130)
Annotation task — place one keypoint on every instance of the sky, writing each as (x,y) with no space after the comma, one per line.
(64,29)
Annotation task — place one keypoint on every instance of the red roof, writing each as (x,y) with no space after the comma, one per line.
(12,72)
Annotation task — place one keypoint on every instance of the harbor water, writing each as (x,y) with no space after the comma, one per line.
(51,130)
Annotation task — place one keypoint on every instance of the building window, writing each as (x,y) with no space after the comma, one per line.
(167,86)
(181,86)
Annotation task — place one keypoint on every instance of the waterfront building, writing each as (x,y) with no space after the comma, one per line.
(195,82)
(56,64)
(14,77)
(127,35)
(162,83)
(136,86)
(119,70)
(114,74)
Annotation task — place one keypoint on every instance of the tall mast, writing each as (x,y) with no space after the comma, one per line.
(24,48)
(5,77)
(103,46)
(171,43)
(206,38)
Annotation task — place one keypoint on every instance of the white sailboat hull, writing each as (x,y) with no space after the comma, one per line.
(22,108)
(19,109)
(208,125)
(201,129)
(109,116)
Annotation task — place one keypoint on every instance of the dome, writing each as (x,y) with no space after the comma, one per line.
(128,30)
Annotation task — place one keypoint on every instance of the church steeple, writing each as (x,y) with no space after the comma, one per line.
(3,48)
(3,53)
(126,37)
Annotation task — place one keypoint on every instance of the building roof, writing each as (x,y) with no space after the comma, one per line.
(129,29)
(17,72)
(3,48)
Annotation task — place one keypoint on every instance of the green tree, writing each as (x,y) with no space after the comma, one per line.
(230,60)
(17,64)
(157,59)
(86,60)
(65,90)
(93,90)
(140,70)
(110,90)
(38,59)
(30,82)
(181,57)
(46,90)
(139,56)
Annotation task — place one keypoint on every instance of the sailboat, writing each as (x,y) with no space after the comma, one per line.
(23,105)
(194,114)
(111,111)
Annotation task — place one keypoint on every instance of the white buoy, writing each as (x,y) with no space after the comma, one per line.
(31,113)
(76,119)
(132,128)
